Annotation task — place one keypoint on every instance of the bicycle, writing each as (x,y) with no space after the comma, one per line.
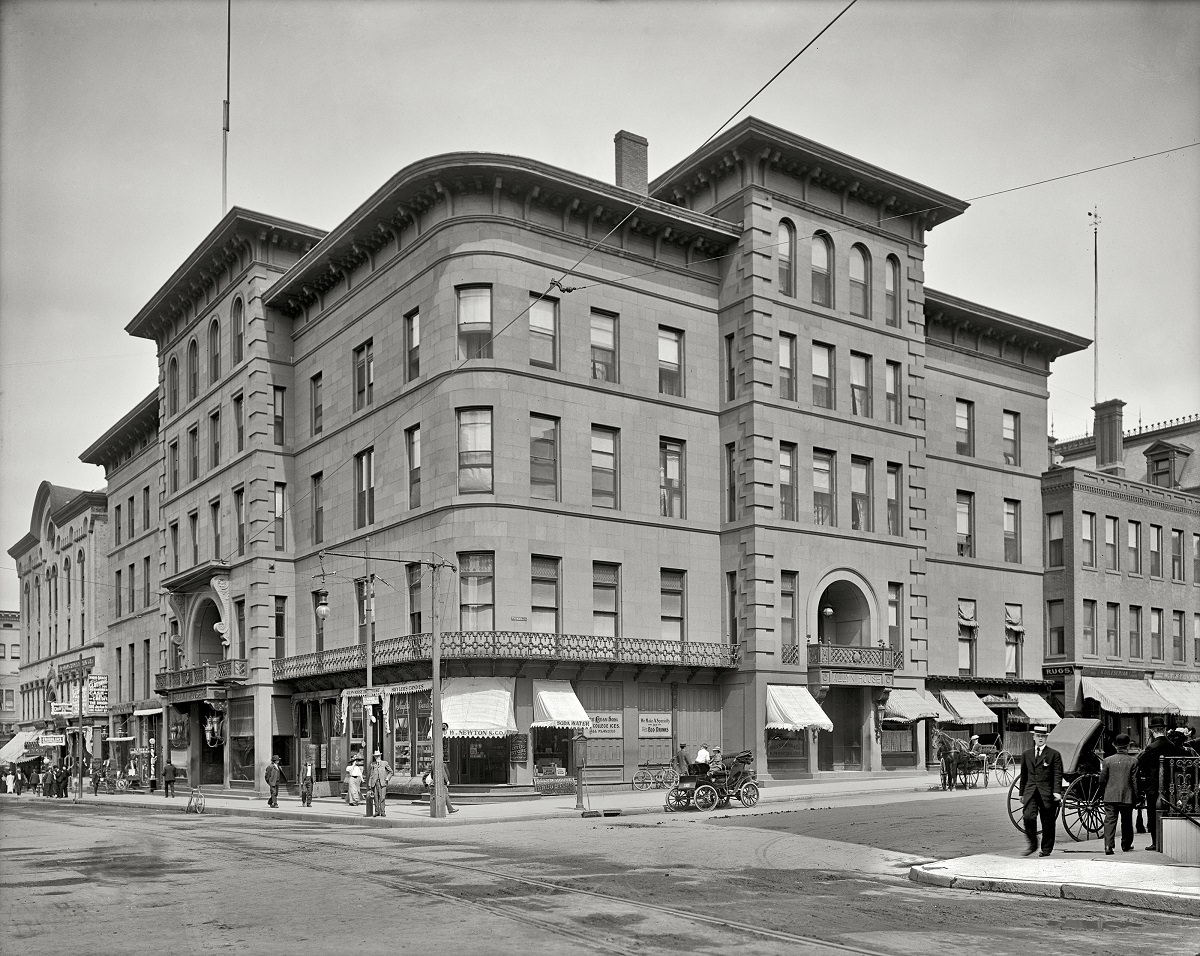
(660,777)
(195,802)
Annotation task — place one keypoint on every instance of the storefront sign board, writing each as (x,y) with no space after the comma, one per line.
(654,725)
(606,725)
(518,748)
(53,740)
(95,699)
(63,708)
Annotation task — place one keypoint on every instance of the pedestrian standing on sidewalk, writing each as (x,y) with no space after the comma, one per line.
(1118,789)
(381,775)
(680,761)
(354,775)
(1148,762)
(306,785)
(1040,787)
(169,774)
(274,777)
(10,781)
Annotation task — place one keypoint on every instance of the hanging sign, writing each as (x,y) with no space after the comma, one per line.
(53,740)
(63,708)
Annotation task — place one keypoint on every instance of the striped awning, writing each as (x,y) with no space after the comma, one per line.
(1126,696)
(1035,708)
(905,706)
(555,705)
(793,708)
(968,708)
(478,706)
(943,715)
(1184,694)
(12,751)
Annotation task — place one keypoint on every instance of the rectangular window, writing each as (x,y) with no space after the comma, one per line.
(730,370)
(544,600)
(1087,531)
(317,401)
(414,573)
(671,603)
(1014,637)
(1133,550)
(543,332)
(1177,655)
(239,517)
(118,525)
(1195,640)
(318,507)
(670,361)
(822,375)
(1112,552)
(173,466)
(194,537)
(860,385)
(280,505)
(1156,540)
(671,488)
(1176,555)
(214,519)
(277,414)
(412,444)
(731,608)
(964,427)
(474,322)
(1112,630)
(543,458)
(118,592)
(364,375)
(174,535)
(1160,472)
(606,604)
(787,367)
(364,609)
(146,508)
(731,490)
(1196,565)
(476,591)
(968,628)
(824,502)
(1011,428)
(787,481)
(604,347)
(1012,531)
(896,616)
(1135,632)
(412,345)
(280,648)
(892,391)
(1056,637)
(965,523)
(1089,629)
(364,488)
(239,421)
(788,583)
(895,485)
(146,582)
(861,504)
(193,440)
(604,467)
(1156,634)
(1054,540)
(214,440)
(474,451)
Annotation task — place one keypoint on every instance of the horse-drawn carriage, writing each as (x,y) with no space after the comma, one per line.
(1079,740)
(707,791)
(965,767)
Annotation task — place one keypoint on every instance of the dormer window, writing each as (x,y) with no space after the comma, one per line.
(1165,462)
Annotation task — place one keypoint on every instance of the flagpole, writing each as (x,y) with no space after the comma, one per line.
(225,108)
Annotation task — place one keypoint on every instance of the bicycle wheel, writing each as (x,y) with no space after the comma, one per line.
(670,777)
(658,779)
(642,779)
(199,801)
(122,783)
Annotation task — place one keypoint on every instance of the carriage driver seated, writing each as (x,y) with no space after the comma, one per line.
(974,743)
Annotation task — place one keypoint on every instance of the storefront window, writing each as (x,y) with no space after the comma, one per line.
(240,729)
(787,752)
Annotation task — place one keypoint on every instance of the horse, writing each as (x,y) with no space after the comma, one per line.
(954,757)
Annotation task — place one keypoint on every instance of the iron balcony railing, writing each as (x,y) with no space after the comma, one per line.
(226,671)
(511,645)
(232,670)
(850,657)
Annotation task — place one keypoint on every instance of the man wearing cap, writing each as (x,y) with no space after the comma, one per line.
(1119,790)
(1148,763)
(381,775)
(273,777)
(1040,786)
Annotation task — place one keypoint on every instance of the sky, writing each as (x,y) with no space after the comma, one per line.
(111,156)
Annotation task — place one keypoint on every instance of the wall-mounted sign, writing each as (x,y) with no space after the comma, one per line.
(518,748)
(654,725)
(95,699)
(63,708)
(606,725)
(53,740)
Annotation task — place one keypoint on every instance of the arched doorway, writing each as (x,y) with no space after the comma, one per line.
(846,616)
(207,644)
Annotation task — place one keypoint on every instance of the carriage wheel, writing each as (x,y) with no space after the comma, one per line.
(678,799)
(1004,768)
(1014,805)
(748,794)
(642,779)
(706,797)
(945,777)
(982,776)
(1083,808)
(670,777)
(122,783)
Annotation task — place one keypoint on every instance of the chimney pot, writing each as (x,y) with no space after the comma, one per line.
(1110,438)
(632,152)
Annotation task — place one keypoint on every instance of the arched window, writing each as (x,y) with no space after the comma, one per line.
(193,370)
(822,270)
(79,564)
(173,386)
(238,323)
(214,352)
(860,282)
(785,252)
(891,292)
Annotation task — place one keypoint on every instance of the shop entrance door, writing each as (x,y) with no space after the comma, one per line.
(842,748)
(477,760)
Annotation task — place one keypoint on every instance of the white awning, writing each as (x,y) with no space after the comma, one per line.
(908,705)
(555,705)
(1035,707)
(148,712)
(968,708)
(15,748)
(793,708)
(943,715)
(478,706)
(1126,696)
(1184,694)
(117,740)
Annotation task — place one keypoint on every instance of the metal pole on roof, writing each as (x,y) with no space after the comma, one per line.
(225,105)
(1095,217)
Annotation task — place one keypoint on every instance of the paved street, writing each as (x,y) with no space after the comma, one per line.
(817,880)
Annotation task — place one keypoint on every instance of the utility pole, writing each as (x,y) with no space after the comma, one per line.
(79,742)
(225,105)
(437,806)
(1095,217)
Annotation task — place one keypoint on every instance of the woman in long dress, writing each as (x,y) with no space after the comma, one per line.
(354,775)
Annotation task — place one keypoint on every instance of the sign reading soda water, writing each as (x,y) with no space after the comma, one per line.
(95,700)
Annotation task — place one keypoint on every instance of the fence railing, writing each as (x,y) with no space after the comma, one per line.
(1179,787)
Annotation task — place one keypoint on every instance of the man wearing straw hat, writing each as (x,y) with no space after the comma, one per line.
(1040,786)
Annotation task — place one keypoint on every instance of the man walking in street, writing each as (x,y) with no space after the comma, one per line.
(274,777)
(168,779)
(681,761)
(1040,787)
(1118,789)
(381,775)
(1148,763)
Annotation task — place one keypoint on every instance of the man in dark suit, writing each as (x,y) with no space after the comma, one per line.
(1148,762)
(1119,791)
(1041,791)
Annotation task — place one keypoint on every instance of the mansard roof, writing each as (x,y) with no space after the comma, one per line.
(59,504)
(126,433)
(942,307)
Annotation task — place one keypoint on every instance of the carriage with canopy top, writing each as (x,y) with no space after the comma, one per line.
(1080,741)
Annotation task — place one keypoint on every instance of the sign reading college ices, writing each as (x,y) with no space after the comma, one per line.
(654,725)
(606,725)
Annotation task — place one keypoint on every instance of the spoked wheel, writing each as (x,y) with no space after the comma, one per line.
(706,797)
(1004,768)
(1014,804)
(670,777)
(122,784)
(678,799)
(748,794)
(982,777)
(945,778)
(1083,808)
(643,779)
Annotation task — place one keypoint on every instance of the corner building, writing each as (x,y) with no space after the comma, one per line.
(685,445)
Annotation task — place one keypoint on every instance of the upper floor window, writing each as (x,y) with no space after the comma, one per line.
(891,292)
(1012,438)
(895,484)
(173,386)
(475,322)
(822,270)
(1090,643)
(730,369)
(1156,545)
(193,370)
(731,483)
(785,255)
(118,527)
(1177,652)
(364,488)
(280,510)
(1054,540)
(544,594)
(861,497)
(277,414)
(543,457)
(606,599)
(787,367)
(239,515)
(670,361)
(412,443)
(412,345)
(1165,463)
(1014,637)
(316,391)
(173,467)
(239,421)
(1012,530)
(892,392)
(895,616)
(787,481)
(604,346)
(964,427)
(214,439)
(1156,634)
(1196,565)
(824,502)
(822,375)
(414,572)
(1112,546)
(860,384)
(1133,550)
(1087,533)
(475,451)
(604,467)
(671,479)
(968,628)
(1112,630)
(671,589)
(477,597)
(860,282)
(1176,555)
(965,523)
(214,352)
(788,583)
(543,332)
(238,321)
(193,440)
(364,375)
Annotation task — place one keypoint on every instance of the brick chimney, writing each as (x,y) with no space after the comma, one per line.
(632,154)
(1110,439)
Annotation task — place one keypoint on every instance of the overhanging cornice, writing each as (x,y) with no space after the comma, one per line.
(941,307)
(132,426)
